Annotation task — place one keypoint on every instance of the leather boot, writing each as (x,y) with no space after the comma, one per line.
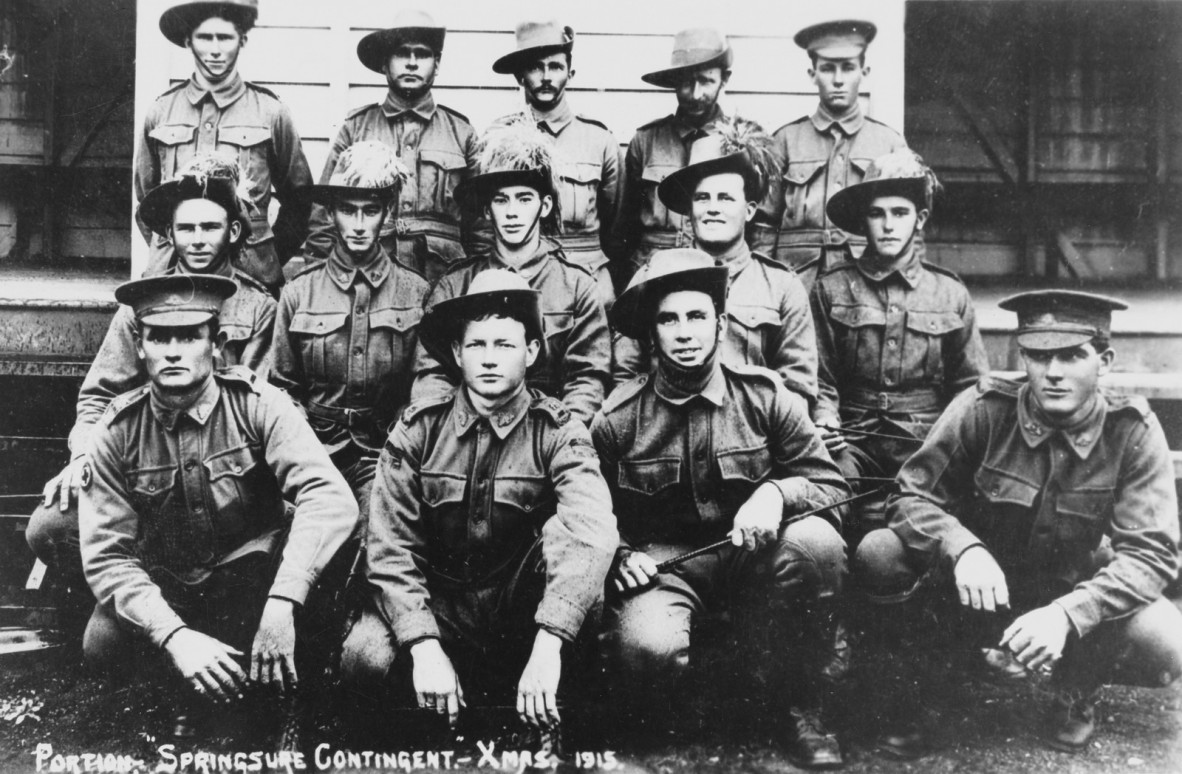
(810,745)
(1071,721)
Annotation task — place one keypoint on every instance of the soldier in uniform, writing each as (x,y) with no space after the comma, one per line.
(1049,505)
(588,168)
(516,191)
(698,73)
(347,327)
(201,214)
(897,337)
(187,539)
(436,144)
(821,154)
(768,319)
(491,529)
(215,110)
(699,450)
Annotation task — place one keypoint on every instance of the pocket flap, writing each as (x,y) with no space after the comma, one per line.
(860,164)
(800,172)
(934,323)
(235,331)
(753,316)
(441,488)
(244,136)
(401,320)
(1001,487)
(523,493)
(745,464)
(655,173)
(151,481)
(1087,505)
(317,324)
(558,322)
(582,172)
(649,476)
(235,462)
(173,134)
(444,159)
(858,316)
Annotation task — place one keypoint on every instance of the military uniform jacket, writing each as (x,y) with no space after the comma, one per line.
(459,499)
(344,346)
(588,172)
(247,321)
(577,366)
(679,469)
(995,472)
(176,493)
(817,155)
(239,119)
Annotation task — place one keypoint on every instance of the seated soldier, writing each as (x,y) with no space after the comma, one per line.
(490,527)
(699,450)
(207,223)
(897,337)
(187,541)
(515,190)
(1048,504)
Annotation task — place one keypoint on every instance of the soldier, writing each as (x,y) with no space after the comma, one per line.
(699,450)
(435,143)
(347,327)
(821,154)
(517,192)
(491,530)
(215,110)
(897,337)
(1048,504)
(768,319)
(698,72)
(187,540)
(201,214)
(589,157)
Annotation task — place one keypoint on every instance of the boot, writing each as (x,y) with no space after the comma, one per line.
(1071,721)
(836,642)
(810,745)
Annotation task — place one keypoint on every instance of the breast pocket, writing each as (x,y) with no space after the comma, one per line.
(1082,517)
(925,342)
(440,171)
(742,470)
(317,336)
(174,146)
(751,328)
(648,477)
(237,496)
(149,487)
(858,331)
(397,328)
(579,194)
(650,178)
(522,503)
(443,495)
(252,146)
(999,495)
(798,178)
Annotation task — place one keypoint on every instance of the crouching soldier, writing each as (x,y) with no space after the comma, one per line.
(1049,505)
(696,451)
(490,526)
(187,541)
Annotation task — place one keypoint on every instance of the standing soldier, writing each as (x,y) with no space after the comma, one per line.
(424,229)
(821,154)
(698,72)
(347,327)
(215,110)
(491,530)
(588,156)
(698,450)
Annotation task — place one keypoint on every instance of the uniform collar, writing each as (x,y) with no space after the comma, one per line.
(344,274)
(557,119)
(396,107)
(224,93)
(737,264)
(714,391)
(851,123)
(909,270)
(533,266)
(502,421)
(199,410)
(685,129)
(1037,428)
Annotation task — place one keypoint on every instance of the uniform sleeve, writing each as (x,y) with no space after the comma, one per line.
(579,541)
(804,472)
(256,355)
(608,203)
(320,238)
(794,346)
(286,370)
(290,177)
(586,370)
(765,226)
(629,359)
(147,167)
(396,548)
(828,371)
(115,370)
(607,447)
(109,528)
(965,360)
(626,228)
(1144,536)
(433,378)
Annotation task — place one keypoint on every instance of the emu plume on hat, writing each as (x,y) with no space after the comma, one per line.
(213,176)
(734,144)
(512,152)
(365,167)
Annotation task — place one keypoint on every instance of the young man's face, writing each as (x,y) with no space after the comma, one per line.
(837,82)
(215,44)
(720,212)
(359,223)
(698,92)
(891,225)
(201,232)
(177,360)
(493,356)
(1063,381)
(411,68)
(517,212)
(545,81)
(686,327)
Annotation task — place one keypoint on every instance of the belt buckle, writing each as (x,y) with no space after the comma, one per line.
(884,401)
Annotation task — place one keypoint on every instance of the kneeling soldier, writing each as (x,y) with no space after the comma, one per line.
(490,526)
(1050,505)
(698,450)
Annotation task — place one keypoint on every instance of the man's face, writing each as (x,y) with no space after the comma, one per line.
(698,92)
(891,225)
(1063,381)
(687,327)
(359,223)
(545,81)
(178,360)
(215,44)
(837,82)
(516,212)
(720,211)
(201,232)
(411,68)
(494,355)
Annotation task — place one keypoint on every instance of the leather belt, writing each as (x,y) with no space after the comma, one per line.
(912,400)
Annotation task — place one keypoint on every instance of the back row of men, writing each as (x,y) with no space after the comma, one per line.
(515,438)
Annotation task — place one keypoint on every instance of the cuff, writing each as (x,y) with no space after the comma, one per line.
(1083,610)
(560,616)
(168,624)
(291,585)
(956,542)
(410,628)
(794,491)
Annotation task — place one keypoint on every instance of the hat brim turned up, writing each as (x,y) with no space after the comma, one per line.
(848,207)
(374,49)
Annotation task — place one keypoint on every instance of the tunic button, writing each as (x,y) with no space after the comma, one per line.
(357,351)
(893,308)
(151,487)
(208,125)
(891,343)
(190,465)
(889,381)
(199,508)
